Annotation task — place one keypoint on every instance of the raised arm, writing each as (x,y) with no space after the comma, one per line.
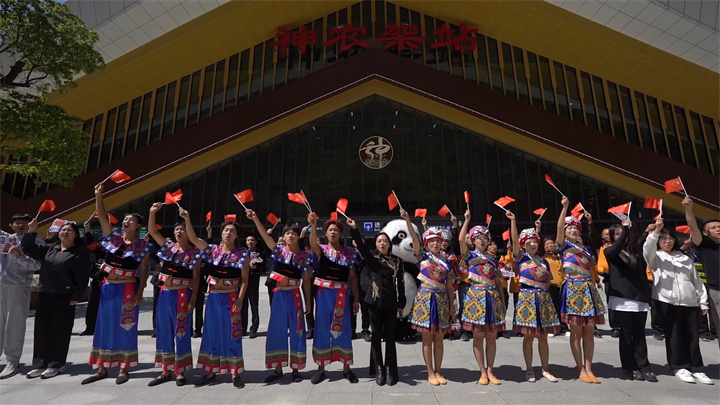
(101,212)
(314,244)
(359,240)
(417,243)
(695,233)
(513,233)
(650,245)
(617,246)
(463,234)
(267,238)
(560,236)
(29,247)
(538,227)
(192,236)
(152,229)
(595,239)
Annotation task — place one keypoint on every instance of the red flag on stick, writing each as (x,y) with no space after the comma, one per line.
(393,201)
(552,183)
(158,226)
(300,199)
(467,200)
(243,197)
(540,211)
(333,215)
(273,219)
(503,201)
(46,206)
(488,218)
(230,217)
(341,205)
(119,176)
(506,235)
(112,219)
(421,212)
(174,197)
(621,211)
(683,229)
(444,211)
(674,185)
(208,216)
(577,211)
(653,203)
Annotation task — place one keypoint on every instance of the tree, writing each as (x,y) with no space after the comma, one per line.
(46,46)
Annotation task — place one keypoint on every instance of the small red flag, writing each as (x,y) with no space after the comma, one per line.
(683,229)
(208,216)
(230,217)
(245,196)
(653,203)
(467,197)
(333,215)
(174,197)
(444,211)
(112,219)
(298,198)
(273,219)
(47,206)
(392,201)
(577,211)
(503,201)
(621,209)
(539,211)
(488,218)
(421,212)
(341,205)
(119,176)
(549,180)
(506,235)
(158,226)
(673,185)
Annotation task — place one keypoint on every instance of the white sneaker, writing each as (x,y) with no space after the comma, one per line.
(52,372)
(10,370)
(702,378)
(551,335)
(35,373)
(567,333)
(685,376)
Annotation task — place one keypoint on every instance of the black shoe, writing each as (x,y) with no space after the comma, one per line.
(309,334)
(205,380)
(658,336)
(650,377)
(196,335)
(706,337)
(87,332)
(381,377)
(273,377)
(465,337)
(637,375)
(160,380)
(392,378)
(351,377)
(238,382)
(365,335)
(296,377)
(354,336)
(180,381)
(372,372)
(597,334)
(615,333)
(318,377)
(122,378)
(154,334)
(253,335)
(93,378)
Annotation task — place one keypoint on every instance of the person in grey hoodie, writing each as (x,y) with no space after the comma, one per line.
(679,294)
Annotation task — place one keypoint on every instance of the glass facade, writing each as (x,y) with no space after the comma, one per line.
(434,162)
(580,96)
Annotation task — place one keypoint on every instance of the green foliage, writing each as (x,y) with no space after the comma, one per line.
(46,46)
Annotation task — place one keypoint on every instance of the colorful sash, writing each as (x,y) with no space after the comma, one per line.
(533,274)
(128,319)
(577,260)
(182,313)
(481,270)
(433,271)
(339,311)
(235,321)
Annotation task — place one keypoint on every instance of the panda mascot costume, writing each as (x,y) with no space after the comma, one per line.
(402,247)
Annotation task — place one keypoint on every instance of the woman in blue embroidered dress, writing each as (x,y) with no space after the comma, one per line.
(289,270)
(228,273)
(582,307)
(535,314)
(433,302)
(115,338)
(484,305)
(332,340)
(180,274)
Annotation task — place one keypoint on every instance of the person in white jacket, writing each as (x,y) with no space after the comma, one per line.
(679,294)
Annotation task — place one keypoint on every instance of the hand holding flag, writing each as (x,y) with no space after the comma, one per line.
(552,183)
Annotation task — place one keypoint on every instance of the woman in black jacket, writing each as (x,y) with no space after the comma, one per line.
(629,297)
(64,273)
(385,296)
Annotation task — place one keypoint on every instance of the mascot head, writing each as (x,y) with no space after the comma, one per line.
(402,244)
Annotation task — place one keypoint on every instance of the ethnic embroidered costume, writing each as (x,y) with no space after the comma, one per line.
(115,338)
(534,311)
(431,308)
(581,303)
(483,309)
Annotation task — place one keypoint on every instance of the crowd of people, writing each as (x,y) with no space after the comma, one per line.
(316,289)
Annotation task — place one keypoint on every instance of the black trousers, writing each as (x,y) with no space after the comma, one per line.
(252,297)
(556,296)
(199,305)
(54,319)
(310,317)
(383,322)
(611,313)
(93,305)
(682,340)
(156,295)
(633,347)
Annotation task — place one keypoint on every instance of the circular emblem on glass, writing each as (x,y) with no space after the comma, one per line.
(376,152)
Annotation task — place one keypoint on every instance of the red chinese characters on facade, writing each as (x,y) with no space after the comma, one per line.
(301,38)
(400,36)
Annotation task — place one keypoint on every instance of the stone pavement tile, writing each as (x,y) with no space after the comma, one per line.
(34,393)
(468,397)
(337,397)
(415,398)
(536,398)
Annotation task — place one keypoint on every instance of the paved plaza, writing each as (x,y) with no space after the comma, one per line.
(459,367)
